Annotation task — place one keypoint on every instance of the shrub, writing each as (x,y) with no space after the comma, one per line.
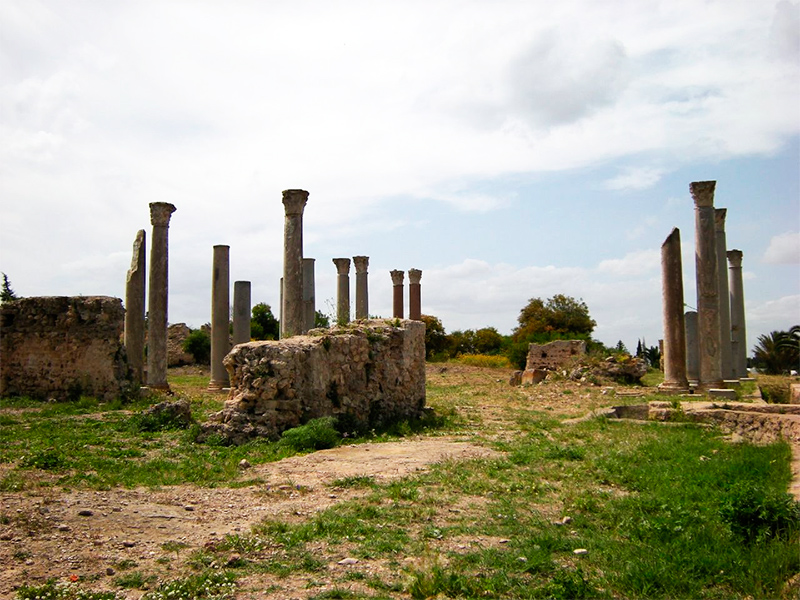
(198,344)
(774,389)
(756,515)
(317,434)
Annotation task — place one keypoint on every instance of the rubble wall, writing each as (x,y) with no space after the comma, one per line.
(555,354)
(63,347)
(367,374)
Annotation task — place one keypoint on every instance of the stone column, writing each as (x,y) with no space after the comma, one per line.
(724,295)
(710,357)
(414,295)
(672,302)
(160,213)
(220,312)
(309,301)
(241,312)
(738,337)
(362,290)
(135,308)
(342,290)
(280,311)
(692,358)
(397,299)
(292,321)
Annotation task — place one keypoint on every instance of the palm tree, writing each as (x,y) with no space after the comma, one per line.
(778,351)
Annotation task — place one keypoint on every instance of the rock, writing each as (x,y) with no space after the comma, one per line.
(128,544)
(63,527)
(515,379)
(533,376)
(178,412)
(348,561)
(244,464)
(176,336)
(188,508)
(580,551)
(85,513)
(110,571)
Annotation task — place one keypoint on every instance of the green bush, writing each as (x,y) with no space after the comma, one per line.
(317,434)
(198,344)
(756,515)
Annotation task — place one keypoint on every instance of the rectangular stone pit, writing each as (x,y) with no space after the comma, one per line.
(367,374)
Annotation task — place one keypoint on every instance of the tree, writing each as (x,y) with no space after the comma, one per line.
(778,352)
(621,348)
(488,341)
(321,319)
(263,324)
(558,318)
(198,344)
(6,293)
(435,338)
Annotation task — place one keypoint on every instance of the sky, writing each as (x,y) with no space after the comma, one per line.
(508,149)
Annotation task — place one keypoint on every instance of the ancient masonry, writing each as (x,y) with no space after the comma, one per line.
(342,290)
(135,308)
(241,312)
(367,374)
(160,213)
(675,380)
(554,354)
(362,294)
(63,347)
(692,359)
(220,311)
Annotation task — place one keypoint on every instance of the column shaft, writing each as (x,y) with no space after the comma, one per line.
(692,350)
(397,297)
(220,311)
(241,312)
(160,213)
(135,309)
(342,290)
(414,295)
(724,295)
(672,301)
(362,287)
(309,300)
(292,320)
(738,331)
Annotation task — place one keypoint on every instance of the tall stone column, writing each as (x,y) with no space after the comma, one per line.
(362,287)
(160,213)
(692,350)
(292,321)
(220,311)
(414,295)
(342,290)
(397,298)
(241,312)
(724,295)
(672,300)
(738,332)
(135,307)
(280,313)
(309,300)
(710,357)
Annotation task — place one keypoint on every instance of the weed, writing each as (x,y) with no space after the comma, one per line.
(210,585)
(53,590)
(756,515)
(484,360)
(125,564)
(354,481)
(134,580)
(317,434)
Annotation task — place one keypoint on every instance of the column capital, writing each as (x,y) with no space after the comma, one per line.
(719,219)
(361,263)
(342,266)
(294,201)
(703,192)
(735,258)
(414,276)
(160,212)
(397,277)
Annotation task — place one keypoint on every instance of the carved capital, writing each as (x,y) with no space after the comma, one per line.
(294,201)
(160,212)
(342,265)
(735,258)
(361,263)
(414,276)
(703,192)
(397,277)
(719,219)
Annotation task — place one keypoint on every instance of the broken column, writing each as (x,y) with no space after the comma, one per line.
(241,312)
(397,289)
(309,301)
(292,321)
(220,311)
(692,359)
(342,290)
(710,358)
(738,333)
(414,295)
(160,213)
(362,291)
(135,309)
(672,300)
(724,296)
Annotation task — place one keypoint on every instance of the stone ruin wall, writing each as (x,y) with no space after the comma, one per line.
(367,373)
(63,347)
(554,355)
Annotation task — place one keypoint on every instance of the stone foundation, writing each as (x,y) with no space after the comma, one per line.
(368,374)
(554,355)
(63,347)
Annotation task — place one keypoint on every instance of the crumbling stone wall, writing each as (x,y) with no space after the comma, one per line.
(555,354)
(63,347)
(367,373)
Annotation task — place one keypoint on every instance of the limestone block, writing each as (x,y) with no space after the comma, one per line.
(533,376)
(555,354)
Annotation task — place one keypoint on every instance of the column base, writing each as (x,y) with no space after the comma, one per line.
(673,388)
(218,386)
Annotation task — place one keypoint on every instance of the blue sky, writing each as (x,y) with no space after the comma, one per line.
(510,150)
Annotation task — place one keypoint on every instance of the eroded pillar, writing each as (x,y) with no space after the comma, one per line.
(220,311)
(160,213)
(342,290)
(292,320)
(309,300)
(692,357)
(414,295)
(724,296)
(738,331)
(362,288)
(710,357)
(675,380)
(397,290)
(135,308)
(241,312)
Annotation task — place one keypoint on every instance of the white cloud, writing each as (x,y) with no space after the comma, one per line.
(784,249)
(634,264)
(772,315)
(635,178)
